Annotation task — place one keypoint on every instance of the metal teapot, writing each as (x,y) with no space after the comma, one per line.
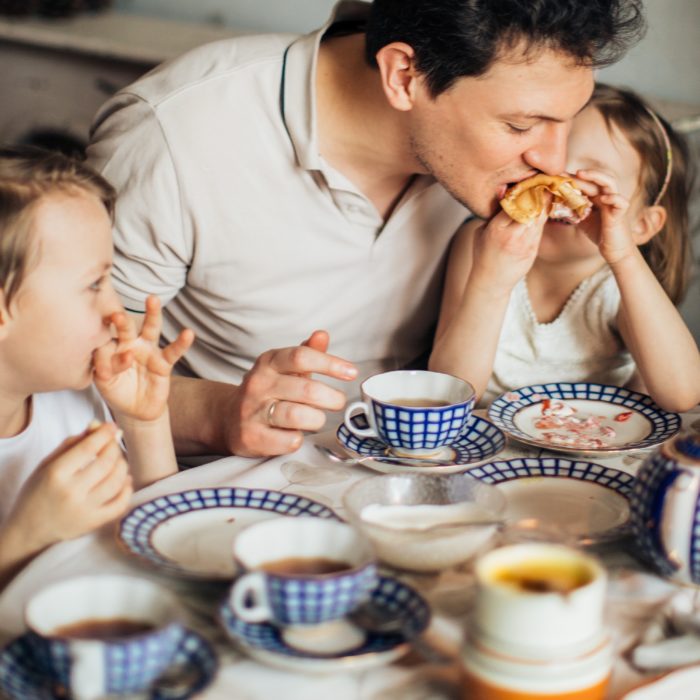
(666,509)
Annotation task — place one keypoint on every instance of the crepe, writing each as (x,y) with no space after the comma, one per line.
(525,201)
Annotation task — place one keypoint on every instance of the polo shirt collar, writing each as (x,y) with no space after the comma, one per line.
(298,88)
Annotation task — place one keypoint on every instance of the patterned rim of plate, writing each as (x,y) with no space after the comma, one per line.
(504,409)
(136,529)
(22,675)
(390,593)
(483,440)
(618,481)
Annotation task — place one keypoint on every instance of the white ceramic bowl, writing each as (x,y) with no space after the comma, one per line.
(424,522)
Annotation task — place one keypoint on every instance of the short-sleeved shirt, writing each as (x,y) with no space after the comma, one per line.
(583,344)
(230,215)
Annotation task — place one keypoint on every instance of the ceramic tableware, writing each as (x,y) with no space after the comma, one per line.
(190,534)
(537,629)
(301,571)
(481,441)
(582,501)
(666,509)
(414,412)
(583,418)
(339,647)
(98,635)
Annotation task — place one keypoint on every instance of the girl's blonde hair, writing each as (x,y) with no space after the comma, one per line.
(26,175)
(668,252)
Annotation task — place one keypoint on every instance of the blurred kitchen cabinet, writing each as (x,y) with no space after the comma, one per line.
(55,74)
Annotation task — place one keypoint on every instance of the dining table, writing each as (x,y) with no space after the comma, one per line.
(308,473)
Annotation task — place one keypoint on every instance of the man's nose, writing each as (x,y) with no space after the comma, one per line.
(549,153)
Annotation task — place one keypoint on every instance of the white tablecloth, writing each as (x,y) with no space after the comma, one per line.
(308,473)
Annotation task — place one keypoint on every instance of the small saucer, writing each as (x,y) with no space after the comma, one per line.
(272,645)
(481,441)
(23,677)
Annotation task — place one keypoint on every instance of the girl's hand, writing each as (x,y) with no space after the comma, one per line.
(132,372)
(505,250)
(609,230)
(82,485)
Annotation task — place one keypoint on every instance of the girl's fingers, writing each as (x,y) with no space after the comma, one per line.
(616,201)
(111,485)
(150,330)
(100,467)
(119,503)
(175,350)
(125,327)
(606,183)
(78,456)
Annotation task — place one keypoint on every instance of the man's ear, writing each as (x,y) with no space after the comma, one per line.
(396,62)
(651,220)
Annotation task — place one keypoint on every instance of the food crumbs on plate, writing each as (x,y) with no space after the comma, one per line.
(511,396)
(576,431)
(623,417)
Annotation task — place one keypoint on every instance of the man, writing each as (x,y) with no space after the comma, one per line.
(271,185)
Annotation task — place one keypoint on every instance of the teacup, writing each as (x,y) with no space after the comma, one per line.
(537,628)
(414,412)
(301,571)
(103,635)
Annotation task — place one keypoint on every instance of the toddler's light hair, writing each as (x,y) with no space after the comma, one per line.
(664,179)
(26,175)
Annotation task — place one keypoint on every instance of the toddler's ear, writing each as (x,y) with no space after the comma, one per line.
(4,316)
(650,221)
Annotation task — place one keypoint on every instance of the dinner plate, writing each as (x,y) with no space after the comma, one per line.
(579,501)
(279,647)
(583,418)
(190,533)
(482,441)
(23,677)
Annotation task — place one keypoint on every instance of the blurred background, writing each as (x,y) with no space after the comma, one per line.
(61,59)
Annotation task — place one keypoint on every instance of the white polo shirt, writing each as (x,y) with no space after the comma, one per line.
(228,213)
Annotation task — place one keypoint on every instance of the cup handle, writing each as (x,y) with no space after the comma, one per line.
(251,587)
(87,670)
(363,408)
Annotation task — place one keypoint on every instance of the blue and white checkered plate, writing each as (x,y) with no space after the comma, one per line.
(336,646)
(481,441)
(22,676)
(190,534)
(621,420)
(562,499)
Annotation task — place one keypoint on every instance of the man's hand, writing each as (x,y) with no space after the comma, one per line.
(278,400)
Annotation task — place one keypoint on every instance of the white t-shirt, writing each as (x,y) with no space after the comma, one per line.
(582,344)
(55,416)
(229,214)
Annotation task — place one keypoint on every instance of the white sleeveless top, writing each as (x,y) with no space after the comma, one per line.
(55,416)
(581,344)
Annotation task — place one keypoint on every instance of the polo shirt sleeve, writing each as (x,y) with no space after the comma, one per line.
(152,251)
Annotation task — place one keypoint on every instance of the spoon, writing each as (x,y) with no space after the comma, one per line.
(406,461)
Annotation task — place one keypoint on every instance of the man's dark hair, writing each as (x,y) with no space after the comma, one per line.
(455,38)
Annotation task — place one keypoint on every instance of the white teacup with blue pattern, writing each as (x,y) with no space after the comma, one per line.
(414,412)
(71,625)
(301,571)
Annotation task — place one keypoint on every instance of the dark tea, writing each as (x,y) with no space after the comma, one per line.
(420,403)
(115,628)
(296,566)
(544,576)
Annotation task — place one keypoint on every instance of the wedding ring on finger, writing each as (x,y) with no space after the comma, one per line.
(271,412)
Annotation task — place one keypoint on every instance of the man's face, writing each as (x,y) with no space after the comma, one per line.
(488,132)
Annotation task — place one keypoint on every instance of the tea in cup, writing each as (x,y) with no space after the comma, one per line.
(103,635)
(301,571)
(414,412)
(537,628)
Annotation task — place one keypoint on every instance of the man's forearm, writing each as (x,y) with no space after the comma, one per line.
(199,411)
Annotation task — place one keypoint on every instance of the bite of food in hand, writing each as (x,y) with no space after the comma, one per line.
(527,199)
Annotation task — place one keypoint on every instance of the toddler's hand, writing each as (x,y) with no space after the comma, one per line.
(505,250)
(132,372)
(608,229)
(82,485)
